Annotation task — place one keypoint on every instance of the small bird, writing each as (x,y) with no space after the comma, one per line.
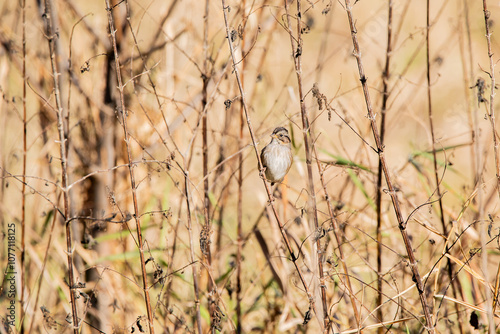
(277,156)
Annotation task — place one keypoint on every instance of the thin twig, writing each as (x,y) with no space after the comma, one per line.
(191,250)
(337,231)
(25,153)
(431,122)
(297,50)
(391,190)
(44,264)
(122,112)
(206,250)
(240,186)
(270,197)
(385,98)
(491,112)
(449,264)
(491,116)
(51,35)
(147,71)
(496,292)
(468,74)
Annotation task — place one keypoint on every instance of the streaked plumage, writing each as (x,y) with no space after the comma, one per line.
(277,155)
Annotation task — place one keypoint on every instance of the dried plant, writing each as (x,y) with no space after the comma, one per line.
(133,198)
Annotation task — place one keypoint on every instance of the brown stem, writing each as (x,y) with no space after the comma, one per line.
(171,258)
(468,82)
(297,49)
(496,291)
(123,113)
(45,259)
(240,229)
(431,123)
(147,70)
(491,112)
(261,168)
(472,113)
(337,233)
(51,35)
(391,191)
(23,205)
(491,116)
(206,250)
(449,264)
(385,98)
(240,190)
(191,249)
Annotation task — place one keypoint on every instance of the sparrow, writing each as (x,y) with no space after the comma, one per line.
(277,156)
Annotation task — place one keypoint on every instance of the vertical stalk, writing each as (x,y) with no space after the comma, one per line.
(431,123)
(496,291)
(294,258)
(51,35)
(491,112)
(449,264)
(191,249)
(337,233)
(23,205)
(402,223)
(45,259)
(473,118)
(491,116)
(385,98)
(240,190)
(122,111)
(206,199)
(471,112)
(240,223)
(297,50)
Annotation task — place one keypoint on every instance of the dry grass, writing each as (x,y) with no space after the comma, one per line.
(201,272)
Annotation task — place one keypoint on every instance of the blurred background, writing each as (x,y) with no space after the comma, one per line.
(179,87)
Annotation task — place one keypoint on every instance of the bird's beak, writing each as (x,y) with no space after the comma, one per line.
(274,136)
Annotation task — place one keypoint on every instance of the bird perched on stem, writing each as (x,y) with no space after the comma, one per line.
(277,156)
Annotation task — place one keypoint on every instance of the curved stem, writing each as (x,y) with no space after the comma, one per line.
(491,116)
(51,35)
(385,98)
(122,111)
(297,49)
(391,191)
(261,168)
(25,153)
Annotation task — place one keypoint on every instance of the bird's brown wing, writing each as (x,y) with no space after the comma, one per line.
(262,157)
